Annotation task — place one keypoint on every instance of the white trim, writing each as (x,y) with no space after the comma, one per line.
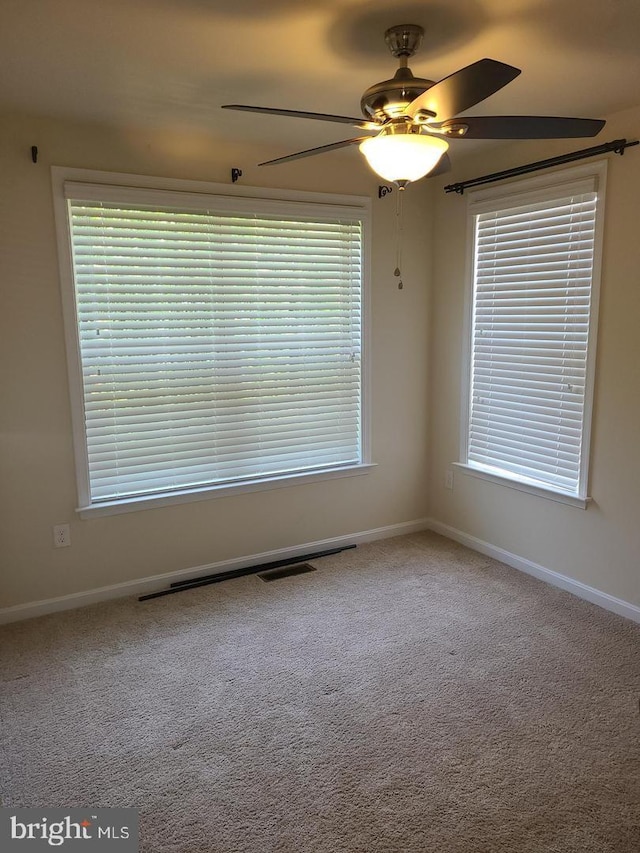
(502,479)
(366,302)
(141,586)
(116,507)
(70,321)
(156,582)
(467,325)
(581,590)
(212,201)
(589,177)
(600,173)
(539,185)
(60,174)
(198,194)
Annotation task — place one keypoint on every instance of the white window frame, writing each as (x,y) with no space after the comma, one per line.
(274,200)
(513,194)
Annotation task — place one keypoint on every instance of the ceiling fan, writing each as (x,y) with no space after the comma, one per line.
(413,118)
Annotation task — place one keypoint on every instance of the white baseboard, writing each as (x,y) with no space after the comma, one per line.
(141,586)
(157,582)
(589,593)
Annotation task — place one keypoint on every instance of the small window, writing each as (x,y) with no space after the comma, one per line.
(217,341)
(532,337)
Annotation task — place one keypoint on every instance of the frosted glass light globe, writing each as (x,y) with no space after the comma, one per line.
(403,157)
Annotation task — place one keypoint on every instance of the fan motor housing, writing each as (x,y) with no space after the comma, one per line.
(389,98)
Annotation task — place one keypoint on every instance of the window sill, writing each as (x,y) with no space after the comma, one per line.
(523,486)
(134,504)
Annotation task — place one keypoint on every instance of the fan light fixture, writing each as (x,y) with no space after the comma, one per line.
(403,157)
(412,115)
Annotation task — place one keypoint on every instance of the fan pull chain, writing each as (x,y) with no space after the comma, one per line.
(397,272)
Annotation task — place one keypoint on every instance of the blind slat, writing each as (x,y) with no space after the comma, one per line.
(215,347)
(532,305)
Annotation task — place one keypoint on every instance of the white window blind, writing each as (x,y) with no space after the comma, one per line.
(215,347)
(532,312)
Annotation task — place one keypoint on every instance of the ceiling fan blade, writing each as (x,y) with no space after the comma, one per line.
(520,127)
(310,152)
(356,122)
(464,88)
(443,166)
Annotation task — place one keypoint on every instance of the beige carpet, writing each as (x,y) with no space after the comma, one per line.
(410,696)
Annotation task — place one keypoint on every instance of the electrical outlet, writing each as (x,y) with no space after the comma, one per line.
(61,536)
(448,480)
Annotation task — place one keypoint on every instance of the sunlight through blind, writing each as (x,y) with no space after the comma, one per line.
(215,348)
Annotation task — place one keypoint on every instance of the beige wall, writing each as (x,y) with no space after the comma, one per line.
(37,481)
(599,546)
(414,341)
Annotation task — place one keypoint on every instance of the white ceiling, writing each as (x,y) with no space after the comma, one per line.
(172,63)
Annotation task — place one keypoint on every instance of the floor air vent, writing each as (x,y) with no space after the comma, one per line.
(264,570)
(286,572)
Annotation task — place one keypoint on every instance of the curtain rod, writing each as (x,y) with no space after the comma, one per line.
(617,146)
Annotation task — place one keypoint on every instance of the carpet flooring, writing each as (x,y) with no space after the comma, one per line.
(408,696)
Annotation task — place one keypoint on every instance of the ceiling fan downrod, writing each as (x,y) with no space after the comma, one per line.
(404,40)
(389,98)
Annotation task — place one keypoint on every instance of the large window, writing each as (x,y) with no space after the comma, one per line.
(217,341)
(532,331)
